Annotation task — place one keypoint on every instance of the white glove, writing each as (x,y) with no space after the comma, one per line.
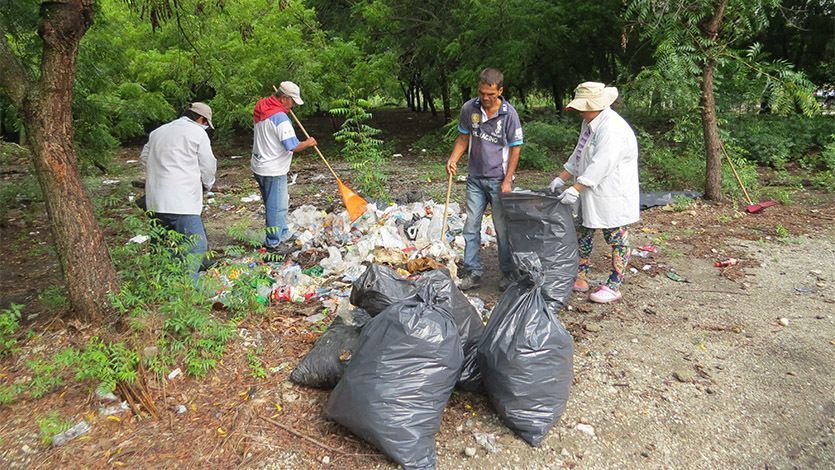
(556,184)
(569,196)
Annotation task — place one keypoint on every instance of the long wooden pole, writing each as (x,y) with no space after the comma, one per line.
(446,206)
(738,179)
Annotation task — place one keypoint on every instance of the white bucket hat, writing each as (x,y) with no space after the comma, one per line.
(592,96)
(204,110)
(292,90)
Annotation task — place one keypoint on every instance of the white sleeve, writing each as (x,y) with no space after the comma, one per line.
(143,157)
(207,162)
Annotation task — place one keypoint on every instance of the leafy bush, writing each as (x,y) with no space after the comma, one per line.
(776,140)
(559,138)
(9,323)
(361,147)
(536,157)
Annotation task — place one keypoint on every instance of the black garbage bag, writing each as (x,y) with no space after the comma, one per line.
(543,225)
(324,365)
(378,287)
(396,386)
(526,356)
(470,324)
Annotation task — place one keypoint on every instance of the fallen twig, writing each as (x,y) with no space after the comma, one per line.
(298,434)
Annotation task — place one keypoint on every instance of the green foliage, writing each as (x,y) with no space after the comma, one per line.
(256,365)
(9,323)
(19,193)
(547,144)
(50,426)
(54,297)
(361,147)
(108,364)
(775,140)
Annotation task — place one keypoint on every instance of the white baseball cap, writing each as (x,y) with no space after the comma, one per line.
(204,110)
(292,90)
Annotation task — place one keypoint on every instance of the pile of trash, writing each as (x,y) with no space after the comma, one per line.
(332,250)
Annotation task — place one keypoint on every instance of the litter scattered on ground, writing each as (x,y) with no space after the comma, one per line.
(251,198)
(784,321)
(675,277)
(139,239)
(115,409)
(174,373)
(235,157)
(586,429)
(726,263)
(805,290)
(487,440)
(79,429)
(131,161)
(108,182)
(180,409)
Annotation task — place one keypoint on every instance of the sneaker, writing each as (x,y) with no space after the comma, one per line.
(605,295)
(469,281)
(283,248)
(581,285)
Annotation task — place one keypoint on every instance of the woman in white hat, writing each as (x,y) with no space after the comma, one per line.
(604,165)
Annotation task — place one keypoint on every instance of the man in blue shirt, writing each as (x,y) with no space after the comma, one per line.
(490,133)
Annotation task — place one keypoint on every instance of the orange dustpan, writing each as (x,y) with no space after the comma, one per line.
(354,203)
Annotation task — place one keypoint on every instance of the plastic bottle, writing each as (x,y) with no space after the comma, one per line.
(726,263)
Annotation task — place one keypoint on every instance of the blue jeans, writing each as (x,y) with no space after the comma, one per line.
(481,191)
(192,227)
(276,200)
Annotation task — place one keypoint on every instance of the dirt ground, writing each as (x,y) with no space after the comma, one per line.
(697,374)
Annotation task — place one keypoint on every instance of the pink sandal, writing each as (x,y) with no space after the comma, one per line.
(605,295)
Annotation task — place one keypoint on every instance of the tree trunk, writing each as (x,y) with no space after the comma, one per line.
(445,97)
(713,152)
(46,109)
(427,100)
(556,93)
(465,94)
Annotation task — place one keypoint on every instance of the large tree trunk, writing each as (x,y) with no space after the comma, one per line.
(46,108)
(713,151)
(429,101)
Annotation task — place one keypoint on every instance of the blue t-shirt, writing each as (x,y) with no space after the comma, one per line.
(490,139)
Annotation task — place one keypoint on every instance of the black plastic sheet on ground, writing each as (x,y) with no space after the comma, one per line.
(396,386)
(662,198)
(526,356)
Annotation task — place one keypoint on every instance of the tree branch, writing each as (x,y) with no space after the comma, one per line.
(14,80)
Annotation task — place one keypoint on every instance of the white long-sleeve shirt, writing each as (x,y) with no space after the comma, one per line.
(608,166)
(179,164)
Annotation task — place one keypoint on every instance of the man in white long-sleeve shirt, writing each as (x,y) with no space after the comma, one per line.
(604,165)
(179,166)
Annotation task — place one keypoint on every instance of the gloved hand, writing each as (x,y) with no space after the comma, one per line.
(556,184)
(569,196)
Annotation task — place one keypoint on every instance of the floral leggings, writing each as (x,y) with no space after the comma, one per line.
(617,239)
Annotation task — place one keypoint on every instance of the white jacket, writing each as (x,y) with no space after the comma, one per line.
(179,164)
(608,166)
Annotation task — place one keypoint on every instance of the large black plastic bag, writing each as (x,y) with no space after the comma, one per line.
(378,287)
(526,356)
(540,224)
(396,386)
(470,325)
(324,365)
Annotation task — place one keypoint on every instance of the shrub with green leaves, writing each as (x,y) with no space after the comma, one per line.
(9,324)
(50,426)
(361,147)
